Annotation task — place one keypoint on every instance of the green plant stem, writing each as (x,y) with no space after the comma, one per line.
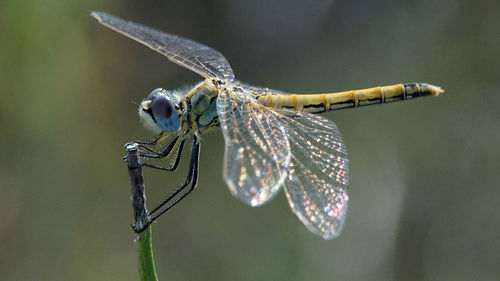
(145,254)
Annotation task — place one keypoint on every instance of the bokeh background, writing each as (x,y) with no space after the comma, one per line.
(425,192)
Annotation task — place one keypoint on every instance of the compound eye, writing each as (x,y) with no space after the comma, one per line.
(162,107)
(165,114)
(155,93)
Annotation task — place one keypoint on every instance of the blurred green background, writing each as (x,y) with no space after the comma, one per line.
(424,193)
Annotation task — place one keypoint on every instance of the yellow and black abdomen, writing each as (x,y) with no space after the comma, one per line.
(317,103)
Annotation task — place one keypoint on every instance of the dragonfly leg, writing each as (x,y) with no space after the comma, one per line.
(153,142)
(174,165)
(161,154)
(191,179)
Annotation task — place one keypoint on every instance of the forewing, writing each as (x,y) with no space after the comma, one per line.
(199,58)
(257,90)
(318,175)
(257,152)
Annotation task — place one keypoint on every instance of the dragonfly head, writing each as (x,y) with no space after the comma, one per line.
(161,112)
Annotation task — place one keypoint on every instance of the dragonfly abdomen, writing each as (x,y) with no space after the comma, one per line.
(317,103)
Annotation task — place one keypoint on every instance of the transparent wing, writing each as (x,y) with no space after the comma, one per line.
(257,151)
(199,58)
(318,174)
(257,90)
(304,148)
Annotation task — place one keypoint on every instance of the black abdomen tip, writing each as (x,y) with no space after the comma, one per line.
(415,90)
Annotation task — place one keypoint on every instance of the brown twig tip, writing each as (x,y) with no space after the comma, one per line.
(142,240)
(137,192)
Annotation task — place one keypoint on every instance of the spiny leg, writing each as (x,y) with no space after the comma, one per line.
(153,142)
(174,165)
(155,154)
(165,153)
(192,177)
(193,169)
(162,154)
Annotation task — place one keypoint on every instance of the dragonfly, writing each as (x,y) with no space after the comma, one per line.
(273,140)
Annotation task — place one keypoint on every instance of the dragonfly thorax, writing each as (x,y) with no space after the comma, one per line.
(177,111)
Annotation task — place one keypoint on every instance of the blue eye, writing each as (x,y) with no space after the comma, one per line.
(154,94)
(165,114)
